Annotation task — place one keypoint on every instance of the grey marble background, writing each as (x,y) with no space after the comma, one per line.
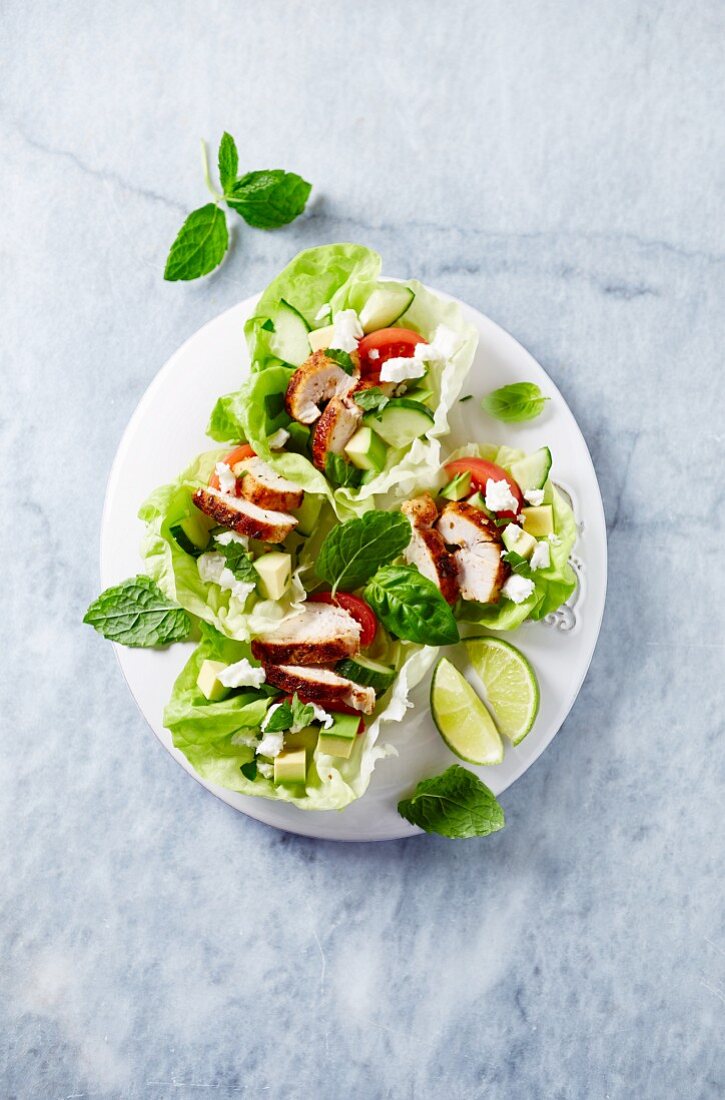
(560,166)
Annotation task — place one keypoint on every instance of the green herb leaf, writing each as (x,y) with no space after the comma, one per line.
(280,719)
(302,713)
(374,398)
(228,162)
(455,804)
(341,473)
(270,198)
(239,560)
(517,563)
(352,551)
(517,402)
(200,245)
(249,770)
(468,397)
(292,714)
(410,606)
(273,404)
(268,325)
(137,613)
(225,424)
(342,358)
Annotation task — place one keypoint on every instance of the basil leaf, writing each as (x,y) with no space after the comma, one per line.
(238,560)
(519,401)
(280,720)
(137,613)
(200,245)
(342,358)
(228,162)
(249,770)
(302,713)
(341,473)
(410,606)
(455,804)
(352,551)
(373,398)
(269,199)
(225,424)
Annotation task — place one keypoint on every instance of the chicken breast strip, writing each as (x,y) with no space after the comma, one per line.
(480,568)
(318,380)
(426,548)
(243,516)
(334,429)
(320,634)
(265,487)
(321,686)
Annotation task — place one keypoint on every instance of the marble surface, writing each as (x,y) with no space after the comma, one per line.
(559,166)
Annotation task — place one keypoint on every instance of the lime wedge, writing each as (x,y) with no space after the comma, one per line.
(462,720)
(512,691)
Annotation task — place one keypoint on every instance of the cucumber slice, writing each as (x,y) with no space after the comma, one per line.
(458,487)
(308,514)
(531,472)
(401,421)
(191,534)
(385,306)
(367,673)
(320,338)
(290,340)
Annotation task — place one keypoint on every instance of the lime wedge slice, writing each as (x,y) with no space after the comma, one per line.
(512,691)
(462,720)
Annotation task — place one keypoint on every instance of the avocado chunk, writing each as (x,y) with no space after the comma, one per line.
(366,450)
(275,570)
(208,683)
(304,739)
(539,521)
(339,739)
(518,541)
(458,488)
(290,767)
(478,501)
(320,337)
(308,513)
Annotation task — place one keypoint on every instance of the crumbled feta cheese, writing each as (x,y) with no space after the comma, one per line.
(554,539)
(535,497)
(347,330)
(322,716)
(323,311)
(224,538)
(271,744)
(513,532)
(541,557)
(441,347)
(517,588)
(374,354)
(267,770)
(499,497)
(212,568)
(227,480)
(242,674)
(402,368)
(278,439)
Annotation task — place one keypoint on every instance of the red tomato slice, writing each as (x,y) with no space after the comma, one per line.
(480,471)
(340,708)
(391,343)
(234,456)
(359,610)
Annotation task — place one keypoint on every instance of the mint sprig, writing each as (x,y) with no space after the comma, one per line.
(266,199)
(353,550)
(137,613)
(455,804)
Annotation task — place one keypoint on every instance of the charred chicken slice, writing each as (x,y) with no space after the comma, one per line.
(243,516)
(426,548)
(320,634)
(334,429)
(263,486)
(321,686)
(318,380)
(480,568)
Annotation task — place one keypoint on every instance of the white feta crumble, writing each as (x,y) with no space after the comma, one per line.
(374,354)
(554,539)
(224,538)
(442,347)
(513,532)
(267,770)
(535,497)
(517,588)
(323,311)
(213,569)
(541,557)
(242,674)
(227,480)
(320,715)
(278,439)
(445,342)
(402,368)
(347,330)
(499,497)
(271,744)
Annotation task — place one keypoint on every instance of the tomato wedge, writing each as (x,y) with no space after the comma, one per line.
(234,456)
(360,611)
(480,471)
(390,343)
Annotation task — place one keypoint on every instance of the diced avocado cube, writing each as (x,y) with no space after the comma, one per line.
(320,337)
(275,570)
(520,542)
(208,683)
(304,739)
(336,746)
(290,767)
(366,450)
(308,514)
(539,521)
(458,488)
(478,501)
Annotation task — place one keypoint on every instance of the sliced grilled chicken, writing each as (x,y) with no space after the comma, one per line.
(427,549)
(481,570)
(321,686)
(266,488)
(319,379)
(243,516)
(334,429)
(320,634)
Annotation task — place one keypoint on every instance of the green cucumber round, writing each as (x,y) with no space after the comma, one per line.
(401,421)
(367,673)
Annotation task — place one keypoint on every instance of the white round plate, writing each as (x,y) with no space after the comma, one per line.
(167,430)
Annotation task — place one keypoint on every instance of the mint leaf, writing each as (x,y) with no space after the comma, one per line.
(225,424)
(352,551)
(455,804)
(228,162)
(341,473)
(249,770)
(199,246)
(137,613)
(342,358)
(374,398)
(280,719)
(270,198)
(514,403)
(238,560)
(409,605)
